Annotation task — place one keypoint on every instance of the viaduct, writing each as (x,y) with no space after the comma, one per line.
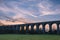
(50,27)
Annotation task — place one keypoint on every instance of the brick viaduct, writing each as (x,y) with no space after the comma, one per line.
(51,27)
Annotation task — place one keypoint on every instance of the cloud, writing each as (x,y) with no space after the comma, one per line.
(4,22)
(13,8)
(46,8)
(30,9)
(19,12)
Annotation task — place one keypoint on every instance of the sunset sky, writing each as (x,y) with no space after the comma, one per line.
(36,10)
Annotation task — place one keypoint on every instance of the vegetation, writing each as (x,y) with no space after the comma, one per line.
(28,37)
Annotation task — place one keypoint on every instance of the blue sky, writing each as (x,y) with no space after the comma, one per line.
(36,10)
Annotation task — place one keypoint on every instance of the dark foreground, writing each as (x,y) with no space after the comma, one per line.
(29,37)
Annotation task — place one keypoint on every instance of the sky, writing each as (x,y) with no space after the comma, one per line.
(36,10)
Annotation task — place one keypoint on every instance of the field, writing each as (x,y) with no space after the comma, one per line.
(28,37)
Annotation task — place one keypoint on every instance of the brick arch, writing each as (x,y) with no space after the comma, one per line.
(29,27)
(24,28)
(35,27)
(54,26)
(40,27)
(59,26)
(20,28)
(47,28)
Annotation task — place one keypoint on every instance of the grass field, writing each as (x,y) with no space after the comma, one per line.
(28,37)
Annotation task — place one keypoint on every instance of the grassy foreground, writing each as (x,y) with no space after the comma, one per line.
(28,37)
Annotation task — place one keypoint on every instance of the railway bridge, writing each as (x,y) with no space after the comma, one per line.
(50,27)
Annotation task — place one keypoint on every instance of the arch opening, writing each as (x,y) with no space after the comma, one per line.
(59,26)
(54,27)
(35,27)
(29,28)
(47,29)
(24,28)
(41,27)
(20,28)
